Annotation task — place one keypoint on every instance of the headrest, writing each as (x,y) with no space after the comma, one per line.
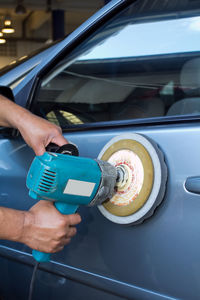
(190,75)
(187,106)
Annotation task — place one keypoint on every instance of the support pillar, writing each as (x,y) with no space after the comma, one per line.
(58,24)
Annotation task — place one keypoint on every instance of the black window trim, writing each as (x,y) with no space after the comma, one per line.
(165,121)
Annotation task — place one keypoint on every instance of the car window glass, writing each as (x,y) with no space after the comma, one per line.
(134,67)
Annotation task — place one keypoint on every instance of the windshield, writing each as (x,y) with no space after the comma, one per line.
(20,60)
(12,74)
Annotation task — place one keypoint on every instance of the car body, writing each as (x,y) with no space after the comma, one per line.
(133,67)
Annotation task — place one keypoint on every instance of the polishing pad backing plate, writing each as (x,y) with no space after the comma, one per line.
(144,189)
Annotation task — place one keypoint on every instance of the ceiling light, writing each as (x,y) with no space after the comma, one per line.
(8,29)
(2,40)
(7,26)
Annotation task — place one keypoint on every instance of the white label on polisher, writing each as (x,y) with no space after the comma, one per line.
(79,188)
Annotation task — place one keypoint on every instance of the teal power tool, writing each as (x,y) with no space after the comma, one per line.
(69,181)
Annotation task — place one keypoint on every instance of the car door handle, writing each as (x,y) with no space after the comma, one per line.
(192,184)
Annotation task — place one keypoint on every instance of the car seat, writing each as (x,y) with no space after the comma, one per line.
(139,108)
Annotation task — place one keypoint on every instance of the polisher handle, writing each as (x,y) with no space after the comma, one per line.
(65,209)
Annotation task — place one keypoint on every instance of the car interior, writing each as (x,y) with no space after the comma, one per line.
(165,85)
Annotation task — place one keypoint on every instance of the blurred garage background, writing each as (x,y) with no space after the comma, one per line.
(28,25)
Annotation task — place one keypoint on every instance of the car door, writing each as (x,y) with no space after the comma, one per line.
(134,71)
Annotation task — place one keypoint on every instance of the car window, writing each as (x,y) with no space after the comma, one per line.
(133,67)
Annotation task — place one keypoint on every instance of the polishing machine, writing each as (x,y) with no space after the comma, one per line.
(71,181)
(127,181)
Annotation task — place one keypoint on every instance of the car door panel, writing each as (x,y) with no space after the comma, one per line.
(130,255)
(157,248)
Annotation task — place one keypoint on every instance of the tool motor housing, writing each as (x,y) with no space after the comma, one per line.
(71,179)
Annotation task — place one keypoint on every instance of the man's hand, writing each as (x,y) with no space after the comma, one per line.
(46,230)
(42,227)
(37,132)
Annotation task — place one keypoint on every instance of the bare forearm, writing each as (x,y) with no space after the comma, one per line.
(11,114)
(11,224)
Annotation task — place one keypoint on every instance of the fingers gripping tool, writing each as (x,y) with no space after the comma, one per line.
(69,181)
